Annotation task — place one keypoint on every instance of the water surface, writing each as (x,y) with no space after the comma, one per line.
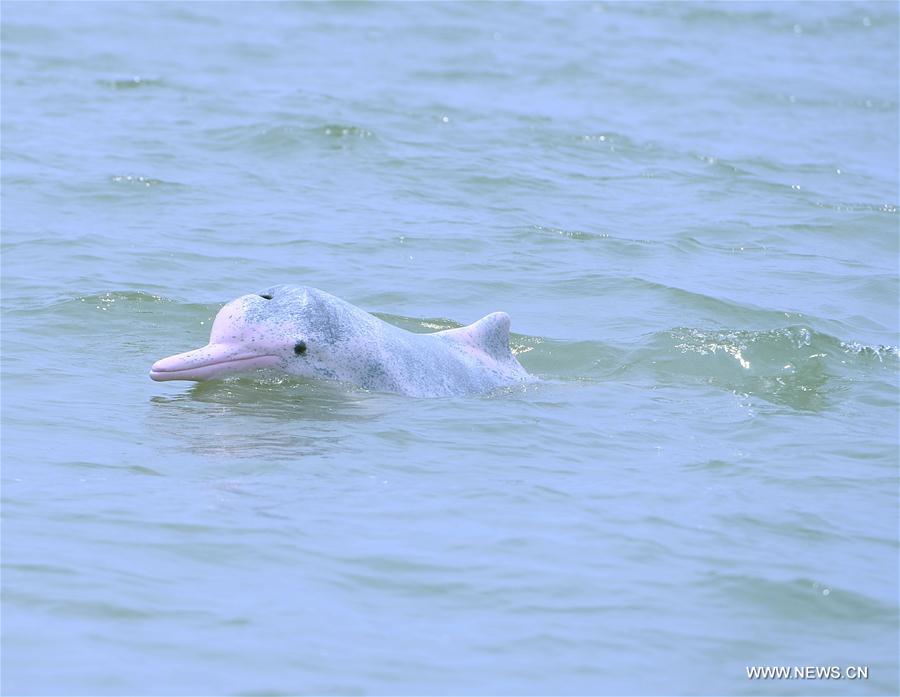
(690,213)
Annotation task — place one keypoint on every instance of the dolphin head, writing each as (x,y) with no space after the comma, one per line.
(292,329)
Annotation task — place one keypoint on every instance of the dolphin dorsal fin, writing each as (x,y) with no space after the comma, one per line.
(490,334)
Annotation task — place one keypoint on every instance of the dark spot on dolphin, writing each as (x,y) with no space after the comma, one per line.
(300,348)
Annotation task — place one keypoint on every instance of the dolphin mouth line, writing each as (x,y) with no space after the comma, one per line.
(210,369)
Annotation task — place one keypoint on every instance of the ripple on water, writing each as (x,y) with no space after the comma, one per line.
(800,599)
(132,83)
(141,181)
(283,138)
(796,366)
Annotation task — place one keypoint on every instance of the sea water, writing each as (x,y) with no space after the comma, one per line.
(689,212)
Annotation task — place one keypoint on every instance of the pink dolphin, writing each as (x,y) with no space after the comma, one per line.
(306,332)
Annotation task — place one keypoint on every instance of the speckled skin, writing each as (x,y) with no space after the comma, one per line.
(342,342)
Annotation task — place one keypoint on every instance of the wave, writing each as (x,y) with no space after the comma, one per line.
(265,138)
(795,365)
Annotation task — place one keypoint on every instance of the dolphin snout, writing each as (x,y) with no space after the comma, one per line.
(210,362)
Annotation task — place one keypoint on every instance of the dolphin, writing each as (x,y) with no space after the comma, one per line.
(307,332)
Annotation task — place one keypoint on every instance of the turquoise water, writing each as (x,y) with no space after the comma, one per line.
(689,212)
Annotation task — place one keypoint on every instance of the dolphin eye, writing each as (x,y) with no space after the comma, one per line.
(300,348)
(265,295)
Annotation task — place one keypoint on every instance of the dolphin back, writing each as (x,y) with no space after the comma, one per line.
(490,335)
